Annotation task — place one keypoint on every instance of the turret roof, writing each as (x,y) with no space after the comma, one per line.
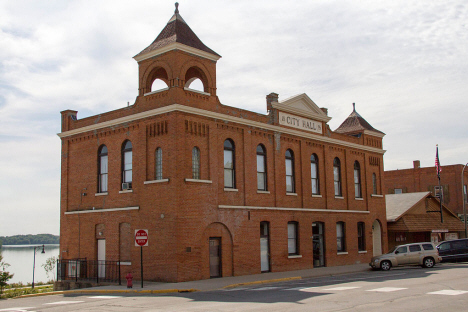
(355,123)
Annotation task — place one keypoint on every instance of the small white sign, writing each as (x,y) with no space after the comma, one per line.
(300,123)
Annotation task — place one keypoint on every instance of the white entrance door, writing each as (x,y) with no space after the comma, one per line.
(377,238)
(101,257)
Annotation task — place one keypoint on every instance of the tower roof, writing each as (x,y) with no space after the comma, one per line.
(355,123)
(177,31)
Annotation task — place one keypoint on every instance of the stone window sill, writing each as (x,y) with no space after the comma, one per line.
(156,181)
(199,181)
(362,251)
(230,190)
(342,253)
(263,192)
(339,197)
(101,194)
(126,191)
(294,256)
(291,194)
(125,263)
(376,195)
(359,198)
(317,195)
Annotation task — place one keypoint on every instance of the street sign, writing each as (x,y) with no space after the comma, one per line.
(141,238)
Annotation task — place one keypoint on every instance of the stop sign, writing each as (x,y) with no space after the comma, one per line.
(141,238)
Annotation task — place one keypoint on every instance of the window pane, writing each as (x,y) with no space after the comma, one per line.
(314,187)
(356,176)
(228,159)
(289,185)
(289,167)
(103,183)
(292,239)
(336,173)
(128,176)
(261,181)
(104,161)
(260,163)
(128,160)
(228,178)
(357,190)
(313,170)
(337,189)
(291,246)
(339,230)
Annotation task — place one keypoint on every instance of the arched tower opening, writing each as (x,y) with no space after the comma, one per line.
(157,80)
(196,79)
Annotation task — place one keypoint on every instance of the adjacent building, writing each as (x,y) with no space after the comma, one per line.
(425,179)
(415,217)
(222,191)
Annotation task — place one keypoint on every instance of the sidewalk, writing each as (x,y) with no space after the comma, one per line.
(221,283)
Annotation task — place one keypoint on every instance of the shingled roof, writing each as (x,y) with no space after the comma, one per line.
(178,31)
(355,124)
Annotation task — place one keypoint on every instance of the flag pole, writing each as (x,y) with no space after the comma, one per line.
(438,176)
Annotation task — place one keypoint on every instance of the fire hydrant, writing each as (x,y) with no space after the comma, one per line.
(129,278)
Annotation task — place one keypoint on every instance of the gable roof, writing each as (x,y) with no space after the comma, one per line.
(399,204)
(355,123)
(301,105)
(176,31)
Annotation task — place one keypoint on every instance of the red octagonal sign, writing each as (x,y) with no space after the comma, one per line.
(141,237)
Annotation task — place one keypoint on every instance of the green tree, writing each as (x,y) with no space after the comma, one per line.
(49,266)
(4,275)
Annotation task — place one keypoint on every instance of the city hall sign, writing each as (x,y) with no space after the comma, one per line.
(300,123)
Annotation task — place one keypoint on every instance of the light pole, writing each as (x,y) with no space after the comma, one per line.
(463,200)
(34,263)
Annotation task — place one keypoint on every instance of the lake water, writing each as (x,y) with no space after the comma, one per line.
(21,258)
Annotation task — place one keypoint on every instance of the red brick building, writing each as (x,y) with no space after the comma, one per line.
(424,179)
(221,190)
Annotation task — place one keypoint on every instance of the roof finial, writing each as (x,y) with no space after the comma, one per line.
(354,107)
(176,7)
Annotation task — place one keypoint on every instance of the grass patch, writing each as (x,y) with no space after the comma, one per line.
(16,292)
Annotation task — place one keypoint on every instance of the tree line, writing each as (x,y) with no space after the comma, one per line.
(29,239)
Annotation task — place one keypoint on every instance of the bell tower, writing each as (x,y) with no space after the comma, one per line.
(177,57)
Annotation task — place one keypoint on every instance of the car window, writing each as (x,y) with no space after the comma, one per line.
(428,247)
(458,244)
(444,246)
(414,248)
(402,250)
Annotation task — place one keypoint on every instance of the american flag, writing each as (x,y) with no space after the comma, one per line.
(437,162)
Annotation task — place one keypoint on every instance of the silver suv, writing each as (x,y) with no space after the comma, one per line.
(423,254)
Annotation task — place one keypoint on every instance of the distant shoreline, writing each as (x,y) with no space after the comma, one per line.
(29,245)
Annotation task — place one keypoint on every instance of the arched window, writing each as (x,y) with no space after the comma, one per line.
(337,176)
(293,242)
(195,163)
(374,184)
(357,180)
(102,169)
(229,164)
(158,84)
(290,187)
(195,84)
(261,168)
(159,166)
(314,174)
(127,157)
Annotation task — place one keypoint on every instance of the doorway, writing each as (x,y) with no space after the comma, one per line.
(264,246)
(101,257)
(376,238)
(215,257)
(318,242)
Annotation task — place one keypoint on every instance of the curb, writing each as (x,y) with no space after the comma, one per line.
(276,280)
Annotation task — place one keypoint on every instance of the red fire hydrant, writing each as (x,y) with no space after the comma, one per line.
(129,278)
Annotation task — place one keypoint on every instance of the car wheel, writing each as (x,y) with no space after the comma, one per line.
(385,265)
(428,262)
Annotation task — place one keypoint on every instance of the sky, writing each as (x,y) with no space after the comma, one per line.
(404,64)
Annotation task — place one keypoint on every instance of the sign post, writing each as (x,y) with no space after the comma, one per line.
(141,239)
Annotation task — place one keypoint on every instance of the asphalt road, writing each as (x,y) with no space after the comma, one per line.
(443,288)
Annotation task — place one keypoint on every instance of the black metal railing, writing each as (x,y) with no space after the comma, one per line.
(88,270)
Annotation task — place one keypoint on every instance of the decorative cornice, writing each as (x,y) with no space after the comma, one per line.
(291,209)
(219,116)
(176,46)
(102,210)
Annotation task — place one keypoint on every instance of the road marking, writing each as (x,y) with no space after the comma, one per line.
(235,289)
(64,302)
(17,309)
(105,297)
(387,289)
(341,288)
(448,292)
(264,288)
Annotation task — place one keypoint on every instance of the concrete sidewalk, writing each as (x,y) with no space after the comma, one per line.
(223,282)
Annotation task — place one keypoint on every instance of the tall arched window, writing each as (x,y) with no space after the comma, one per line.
(357,180)
(340,236)
(127,160)
(229,164)
(195,163)
(261,168)
(374,184)
(159,165)
(337,176)
(290,187)
(314,174)
(102,169)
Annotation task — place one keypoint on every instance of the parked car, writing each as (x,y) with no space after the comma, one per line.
(423,254)
(454,250)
